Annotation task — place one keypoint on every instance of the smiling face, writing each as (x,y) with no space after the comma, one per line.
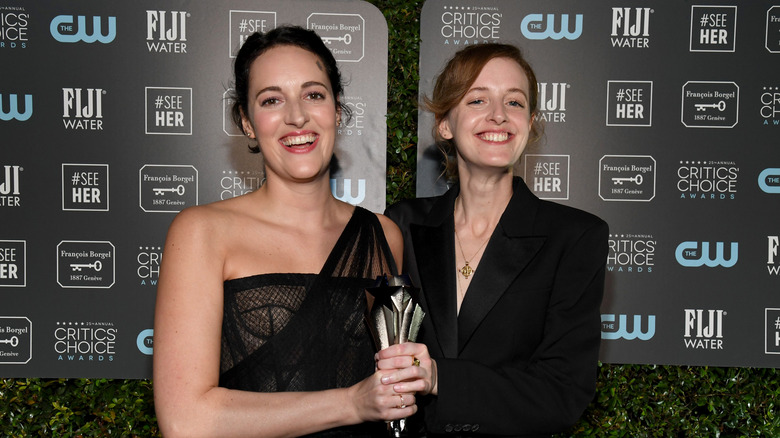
(491,123)
(292,112)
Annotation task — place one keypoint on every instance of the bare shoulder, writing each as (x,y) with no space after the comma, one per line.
(394,237)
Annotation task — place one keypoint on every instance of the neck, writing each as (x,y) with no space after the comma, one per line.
(309,203)
(481,202)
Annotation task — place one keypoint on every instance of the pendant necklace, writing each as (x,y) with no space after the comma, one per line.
(467,270)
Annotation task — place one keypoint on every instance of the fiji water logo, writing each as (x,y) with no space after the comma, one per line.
(539,27)
(692,255)
(65,30)
(704,329)
(13,108)
(166,31)
(611,330)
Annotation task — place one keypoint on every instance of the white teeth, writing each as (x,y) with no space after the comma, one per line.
(299,140)
(495,136)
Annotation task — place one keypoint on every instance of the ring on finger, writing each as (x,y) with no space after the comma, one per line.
(415,361)
(403,403)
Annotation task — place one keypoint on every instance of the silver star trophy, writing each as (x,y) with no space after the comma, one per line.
(394,316)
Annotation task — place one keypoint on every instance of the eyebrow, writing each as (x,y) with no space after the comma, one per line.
(279,89)
(511,90)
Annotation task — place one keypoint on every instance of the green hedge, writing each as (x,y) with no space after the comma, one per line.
(632,400)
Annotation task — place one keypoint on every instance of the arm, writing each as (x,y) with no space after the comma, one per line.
(188,319)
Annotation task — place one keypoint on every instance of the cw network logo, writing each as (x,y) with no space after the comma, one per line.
(346,195)
(534,27)
(691,255)
(64,30)
(769,180)
(13,108)
(610,330)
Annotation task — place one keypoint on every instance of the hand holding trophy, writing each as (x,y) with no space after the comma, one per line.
(394,316)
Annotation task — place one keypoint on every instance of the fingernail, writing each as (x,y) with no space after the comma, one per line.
(385,379)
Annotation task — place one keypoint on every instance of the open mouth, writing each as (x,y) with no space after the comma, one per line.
(303,140)
(494,136)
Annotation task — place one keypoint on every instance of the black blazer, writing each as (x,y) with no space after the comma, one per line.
(521,358)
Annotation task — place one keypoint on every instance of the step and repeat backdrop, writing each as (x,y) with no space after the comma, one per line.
(663,118)
(114,116)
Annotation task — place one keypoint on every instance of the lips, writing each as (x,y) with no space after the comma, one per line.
(299,140)
(494,136)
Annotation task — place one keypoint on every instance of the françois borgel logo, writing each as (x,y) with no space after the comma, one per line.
(168,189)
(344,34)
(631,253)
(86,264)
(10,192)
(770,102)
(166,31)
(552,101)
(713,28)
(82,341)
(627,178)
(631,27)
(168,110)
(710,104)
(15,103)
(85,187)
(13,263)
(245,23)
(149,258)
(707,179)
(462,25)
(13,27)
(15,339)
(70,29)
(773,29)
(704,329)
(620,329)
(630,103)
(547,175)
(696,254)
(82,109)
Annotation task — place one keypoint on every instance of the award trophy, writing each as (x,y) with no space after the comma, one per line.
(394,316)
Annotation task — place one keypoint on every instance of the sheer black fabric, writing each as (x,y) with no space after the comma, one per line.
(306,332)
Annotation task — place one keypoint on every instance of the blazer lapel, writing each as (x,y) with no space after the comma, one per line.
(434,243)
(511,247)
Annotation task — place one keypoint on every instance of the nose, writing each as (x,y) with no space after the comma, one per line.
(497,112)
(296,114)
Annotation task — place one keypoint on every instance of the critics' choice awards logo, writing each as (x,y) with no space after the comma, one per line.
(630,103)
(356,122)
(772,260)
(343,34)
(710,104)
(462,25)
(552,101)
(77,341)
(773,29)
(10,190)
(707,179)
(770,104)
(627,178)
(168,110)
(13,263)
(772,322)
(166,31)
(704,329)
(236,183)
(85,187)
(15,339)
(631,253)
(168,189)
(13,27)
(70,29)
(713,28)
(621,329)
(547,175)
(86,264)
(631,27)
(16,107)
(82,108)
(149,258)
(768,180)
(552,26)
(696,254)
(245,23)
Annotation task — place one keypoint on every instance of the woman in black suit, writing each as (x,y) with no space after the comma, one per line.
(511,284)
